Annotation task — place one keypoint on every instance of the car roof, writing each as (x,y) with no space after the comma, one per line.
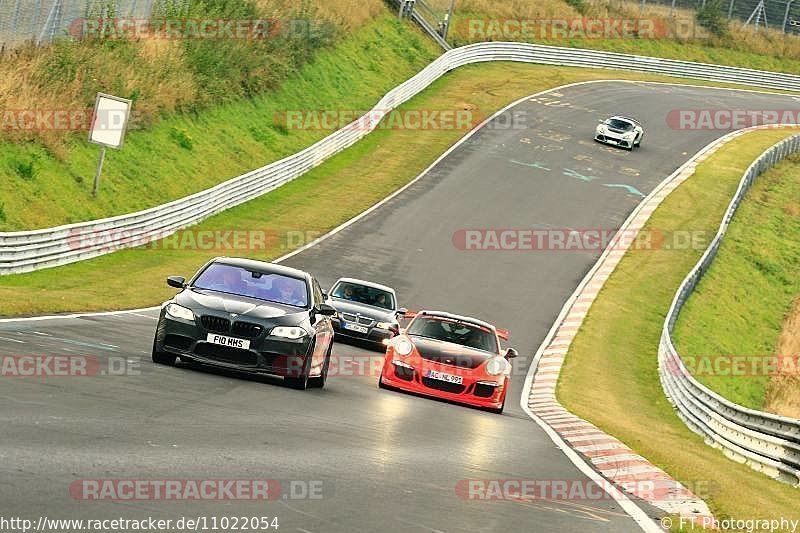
(460,318)
(365,283)
(263,266)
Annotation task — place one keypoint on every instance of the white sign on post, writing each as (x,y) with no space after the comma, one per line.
(109,122)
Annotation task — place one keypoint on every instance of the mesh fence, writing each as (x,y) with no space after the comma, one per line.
(781,15)
(40,21)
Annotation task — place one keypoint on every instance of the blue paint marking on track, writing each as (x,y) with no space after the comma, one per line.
(630,188)
(535,164)
(573,174)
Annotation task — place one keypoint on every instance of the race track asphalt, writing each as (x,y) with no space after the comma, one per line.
(386,461)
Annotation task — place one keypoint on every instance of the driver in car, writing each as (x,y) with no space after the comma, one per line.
(288,293)
(227,280)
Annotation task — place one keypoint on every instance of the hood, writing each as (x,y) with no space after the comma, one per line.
(448,353)
(199,299)
(375,313)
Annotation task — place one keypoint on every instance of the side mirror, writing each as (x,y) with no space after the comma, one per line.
(326,310)
(401,312)
(324,293)
(176,281)
(511,353)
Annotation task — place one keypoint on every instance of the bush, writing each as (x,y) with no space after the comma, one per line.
(182,138)
(714,18)
(24,169)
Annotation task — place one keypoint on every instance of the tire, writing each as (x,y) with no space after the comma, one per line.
(301,383)
(639,142)
(380,383)
(163,358)
(319,382)
(499,410)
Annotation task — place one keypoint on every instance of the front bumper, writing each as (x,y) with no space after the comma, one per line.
(266,354)
(610,139)
(475,389)
(373,335)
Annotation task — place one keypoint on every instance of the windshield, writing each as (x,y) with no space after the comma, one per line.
(362,294)
(463,333)
(241,282)
(622,125)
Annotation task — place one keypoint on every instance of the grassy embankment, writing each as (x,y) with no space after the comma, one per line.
(203,111)
(738,312)
(613,361)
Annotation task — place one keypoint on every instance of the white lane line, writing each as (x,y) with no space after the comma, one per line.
(76,315)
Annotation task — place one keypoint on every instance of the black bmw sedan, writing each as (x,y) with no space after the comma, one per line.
(249,315)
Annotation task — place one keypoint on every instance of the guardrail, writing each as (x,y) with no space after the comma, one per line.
(32,250)
(764,441)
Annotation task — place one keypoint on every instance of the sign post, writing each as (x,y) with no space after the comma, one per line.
(109,122)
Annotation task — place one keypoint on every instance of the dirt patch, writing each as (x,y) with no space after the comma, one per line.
(783,394)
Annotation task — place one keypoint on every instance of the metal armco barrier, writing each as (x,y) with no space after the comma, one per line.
(766,442)
(32,250)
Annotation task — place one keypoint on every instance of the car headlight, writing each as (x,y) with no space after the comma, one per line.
(178,311)
(288,332)
(403,347)
(384,325)
(496,366)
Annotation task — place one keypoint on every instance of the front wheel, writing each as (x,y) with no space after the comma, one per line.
(163,358)
(301,383)
(319,381)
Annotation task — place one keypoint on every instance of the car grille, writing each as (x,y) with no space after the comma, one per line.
(216,323)
(362,320)
(246,329)
(445,386)
(226,354)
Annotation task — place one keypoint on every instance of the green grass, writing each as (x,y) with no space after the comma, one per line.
(613,361)
(338,190)
(191,152)
(740,305)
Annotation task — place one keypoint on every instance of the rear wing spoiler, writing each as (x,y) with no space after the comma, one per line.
(502,333)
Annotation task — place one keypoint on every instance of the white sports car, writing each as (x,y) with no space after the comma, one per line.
(624,132)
